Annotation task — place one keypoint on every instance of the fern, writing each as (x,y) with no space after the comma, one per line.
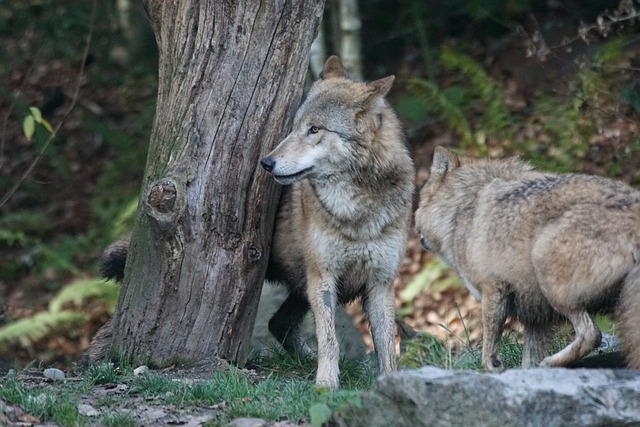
(78,291)
(30,329)
(491,95)
(437,101)
(34,328)
(475,94)
(12,238)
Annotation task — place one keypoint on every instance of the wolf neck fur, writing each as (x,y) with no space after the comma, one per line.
(349,198)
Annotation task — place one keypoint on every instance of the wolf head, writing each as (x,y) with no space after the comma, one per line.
(338,120)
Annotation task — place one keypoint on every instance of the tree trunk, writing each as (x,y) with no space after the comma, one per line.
(231,74)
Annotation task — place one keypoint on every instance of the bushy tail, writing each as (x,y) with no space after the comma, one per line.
(628,317)
(114,258)
(112,264)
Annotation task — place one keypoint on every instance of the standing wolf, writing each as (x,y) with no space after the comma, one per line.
(539,247)
(342,224)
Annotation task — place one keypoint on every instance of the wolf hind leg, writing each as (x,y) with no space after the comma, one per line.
(536,344)
(587,339)
(494,316)
(286,324)
(379,307)
(627,317)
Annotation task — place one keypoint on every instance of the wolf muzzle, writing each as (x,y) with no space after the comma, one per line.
(268,163)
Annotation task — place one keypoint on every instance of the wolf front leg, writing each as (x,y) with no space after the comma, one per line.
(494,316)
(323,298)
(379,304)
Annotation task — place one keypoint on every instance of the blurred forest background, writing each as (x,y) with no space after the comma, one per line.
(557,82)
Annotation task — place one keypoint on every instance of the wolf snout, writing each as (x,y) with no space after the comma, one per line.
(268,163)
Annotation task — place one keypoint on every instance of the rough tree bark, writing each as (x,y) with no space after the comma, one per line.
(231,74)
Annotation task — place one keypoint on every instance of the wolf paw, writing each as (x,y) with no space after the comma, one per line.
(493,365)
(327,384)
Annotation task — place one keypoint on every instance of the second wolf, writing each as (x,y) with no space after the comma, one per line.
(342,224)
(539,247)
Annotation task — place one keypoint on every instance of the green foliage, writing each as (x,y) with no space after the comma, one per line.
(436,100)
(435,276)
(30,329)
(460,353)
(103,373)
(76,292)
(474,94)
(270,398)
(60,407)
(553,131)
(488,94)
(319,414)
(29,123)
(354,374)
(118,419)
(27,330)
(12,238)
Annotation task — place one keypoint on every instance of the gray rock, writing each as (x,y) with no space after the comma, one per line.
(247,422)
(351,343)
(54,374)
(88,410)
(536,397)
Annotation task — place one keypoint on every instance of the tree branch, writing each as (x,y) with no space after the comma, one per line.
(74,100)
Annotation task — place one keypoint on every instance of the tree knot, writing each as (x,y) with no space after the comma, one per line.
(162,195)
(164,203)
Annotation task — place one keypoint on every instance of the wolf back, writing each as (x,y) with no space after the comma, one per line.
(539,247)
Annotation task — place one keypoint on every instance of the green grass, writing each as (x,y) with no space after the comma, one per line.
(280,387)
(459,353)
(277,387)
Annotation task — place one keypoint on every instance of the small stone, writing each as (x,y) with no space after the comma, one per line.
(88,410)
(54,374)
(609,342)
(140,370)
(247,422)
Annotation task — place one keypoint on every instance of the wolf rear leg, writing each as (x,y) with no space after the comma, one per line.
(494,316)
(627,317)
(587,339)
(536,343)
(323,299)
(285,324)
(379,307)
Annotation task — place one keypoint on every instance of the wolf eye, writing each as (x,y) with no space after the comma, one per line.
(314,129)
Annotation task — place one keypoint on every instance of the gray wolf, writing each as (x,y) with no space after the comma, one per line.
(342,222)
(344,215)
(539,247)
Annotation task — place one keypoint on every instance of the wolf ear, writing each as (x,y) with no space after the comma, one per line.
(333,68)
(381,87)
(443,161)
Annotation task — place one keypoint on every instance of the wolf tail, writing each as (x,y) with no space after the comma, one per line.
(112,264)
(628,316)
(114,258)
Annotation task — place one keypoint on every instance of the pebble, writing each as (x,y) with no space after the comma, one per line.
(140,370)
(54,374)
